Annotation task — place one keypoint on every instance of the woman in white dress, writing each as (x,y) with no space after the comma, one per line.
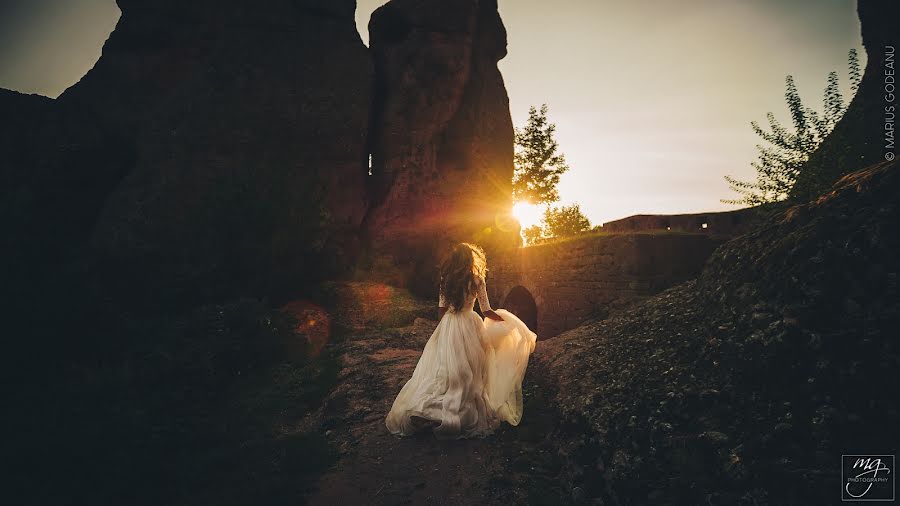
(469,377)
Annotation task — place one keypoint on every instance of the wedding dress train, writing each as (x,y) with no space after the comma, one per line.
(469,377)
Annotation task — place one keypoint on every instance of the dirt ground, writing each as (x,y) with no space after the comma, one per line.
(515,465)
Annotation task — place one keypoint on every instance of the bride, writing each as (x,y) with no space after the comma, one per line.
(469,377)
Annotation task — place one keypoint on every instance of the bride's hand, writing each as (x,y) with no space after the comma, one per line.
(493,316)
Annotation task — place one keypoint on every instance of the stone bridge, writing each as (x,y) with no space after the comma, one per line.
(555,287)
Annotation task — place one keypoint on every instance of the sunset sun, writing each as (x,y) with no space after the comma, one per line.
(527,213)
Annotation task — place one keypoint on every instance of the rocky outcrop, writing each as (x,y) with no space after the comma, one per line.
(57,163)
(858,140)
(227,144)
(748,384)
(248,128)
(442,137)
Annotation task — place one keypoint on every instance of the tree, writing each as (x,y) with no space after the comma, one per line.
(855,74)
(533,235)
(787,151)
(564,221)
(537,163)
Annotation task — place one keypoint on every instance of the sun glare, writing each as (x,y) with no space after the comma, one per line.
(528,214)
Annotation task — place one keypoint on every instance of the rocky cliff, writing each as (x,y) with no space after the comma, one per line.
(225,146)
(442,137)
(248,128)
(858,140)
(746,386)
(57,164)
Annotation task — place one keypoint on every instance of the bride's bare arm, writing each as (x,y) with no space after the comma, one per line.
(442,303)
(485,304)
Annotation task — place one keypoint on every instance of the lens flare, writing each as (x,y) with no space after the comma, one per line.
(313,325)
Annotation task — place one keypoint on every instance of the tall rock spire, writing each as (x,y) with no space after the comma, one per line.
(442,135)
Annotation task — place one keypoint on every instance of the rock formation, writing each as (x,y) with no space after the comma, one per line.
(858,139)
(790,326)
(241,135)
(227,144)
(57,164)
(442,137)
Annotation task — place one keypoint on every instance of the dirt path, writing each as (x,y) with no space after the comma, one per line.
(516,465)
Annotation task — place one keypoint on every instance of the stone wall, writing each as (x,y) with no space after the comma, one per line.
(728,223)
(574,280)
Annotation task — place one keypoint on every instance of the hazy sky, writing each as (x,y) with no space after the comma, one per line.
(652,98)
(47,45)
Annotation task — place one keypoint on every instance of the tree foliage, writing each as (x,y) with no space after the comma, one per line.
(855,74)
(787,149)
(538,164)
(564,221)
(533,234)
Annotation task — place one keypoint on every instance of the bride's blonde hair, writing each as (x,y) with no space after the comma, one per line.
(460,271)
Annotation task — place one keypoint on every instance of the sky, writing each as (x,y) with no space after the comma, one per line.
(652,98)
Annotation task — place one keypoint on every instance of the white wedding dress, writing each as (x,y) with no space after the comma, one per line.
(469,377)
